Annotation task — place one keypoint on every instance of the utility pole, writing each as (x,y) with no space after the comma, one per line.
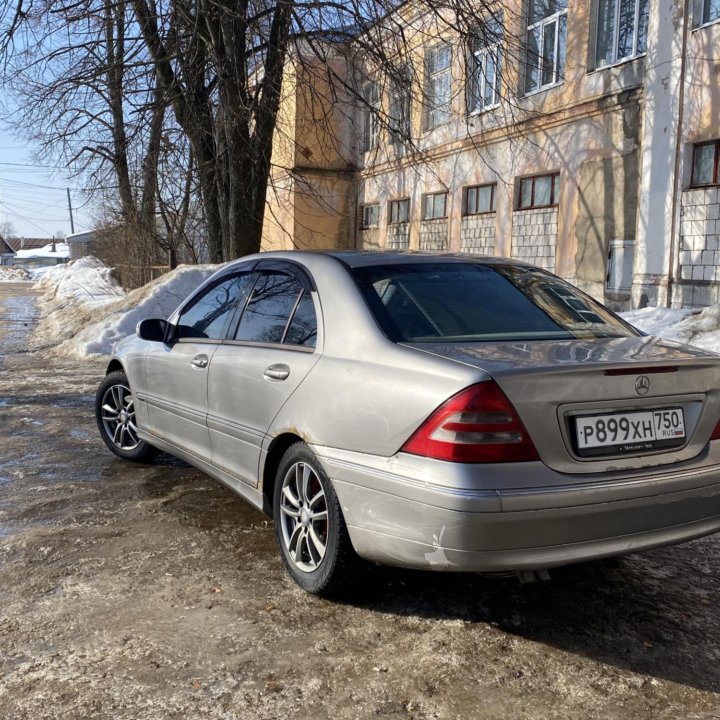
(72,224)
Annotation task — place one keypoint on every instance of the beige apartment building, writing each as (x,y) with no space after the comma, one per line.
(583,137)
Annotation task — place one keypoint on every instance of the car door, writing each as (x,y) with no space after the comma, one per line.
(177,371)
(270,349)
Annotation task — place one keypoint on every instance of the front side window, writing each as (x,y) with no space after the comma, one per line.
(269,316)
(434,206)
(485,66)
(371,115)
(539,191)
(398,211)
(706,162)
(621,30)
(399,109)
(370,216)
(438,85)
(479,199)
(206,316)
(546,44)
(470,302)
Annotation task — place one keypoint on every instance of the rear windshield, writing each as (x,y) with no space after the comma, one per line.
(470,302)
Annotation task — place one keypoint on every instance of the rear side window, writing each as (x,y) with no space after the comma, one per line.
(278,311)
(207,315)
(467,302)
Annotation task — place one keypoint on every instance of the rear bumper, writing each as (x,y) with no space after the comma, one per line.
(397,515)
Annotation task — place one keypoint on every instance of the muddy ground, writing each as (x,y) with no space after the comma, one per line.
(151,591)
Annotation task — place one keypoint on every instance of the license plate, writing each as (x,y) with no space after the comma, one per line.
(630,432)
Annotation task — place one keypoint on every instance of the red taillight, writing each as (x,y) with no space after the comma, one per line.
(478,425)
(716,432)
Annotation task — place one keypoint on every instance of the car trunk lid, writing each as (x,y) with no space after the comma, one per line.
(563,389)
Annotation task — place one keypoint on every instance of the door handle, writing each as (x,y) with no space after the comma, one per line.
(200,361)
(276,372)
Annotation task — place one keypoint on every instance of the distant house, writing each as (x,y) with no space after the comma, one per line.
(23,243)
(6,253)
(81,243)
(53,253)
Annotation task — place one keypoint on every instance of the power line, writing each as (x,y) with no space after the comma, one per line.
(29,165)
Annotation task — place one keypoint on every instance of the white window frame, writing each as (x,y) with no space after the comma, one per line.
(477,77)
(366,223)
(616,35)
(371,116)
(436,114)
(699,19)
(541,25)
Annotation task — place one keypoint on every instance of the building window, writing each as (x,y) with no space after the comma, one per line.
(546,44)
(706,158)
(399,109)
(485,66)
(399,211)
(621,30)
(434,206)
(370,216)
(437,85)
(479,199)
(706,11)
(371,116)
(539,191)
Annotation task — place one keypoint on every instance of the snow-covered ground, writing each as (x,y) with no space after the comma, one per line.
(694,327)
(13,274)
(84,311)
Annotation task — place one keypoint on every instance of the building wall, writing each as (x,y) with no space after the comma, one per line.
(620,137)
(477,234)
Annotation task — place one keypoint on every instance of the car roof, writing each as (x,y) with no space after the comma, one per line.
(366,258)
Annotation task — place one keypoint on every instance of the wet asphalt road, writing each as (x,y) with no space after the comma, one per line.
(150,591)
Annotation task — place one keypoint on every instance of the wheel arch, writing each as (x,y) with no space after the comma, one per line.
(278,447)
(114,365)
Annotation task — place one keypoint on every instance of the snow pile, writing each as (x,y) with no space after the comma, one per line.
(694,327)
(13,274)
(86,312)
(86,280)
(62,250)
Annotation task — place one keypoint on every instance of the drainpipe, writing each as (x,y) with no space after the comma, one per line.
(677,185)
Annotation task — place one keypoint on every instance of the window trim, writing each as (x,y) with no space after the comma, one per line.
(363,224)
(716,164)
(616,36)
(698,21)
(475,65)
(371,115)
(390,206)
(433,195)
(429,108)
(554,191)
(493,188)
(541,24)
(399,97)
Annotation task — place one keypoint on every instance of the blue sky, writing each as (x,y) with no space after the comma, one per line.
(33,196)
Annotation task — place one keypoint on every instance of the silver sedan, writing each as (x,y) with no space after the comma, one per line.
(427,411)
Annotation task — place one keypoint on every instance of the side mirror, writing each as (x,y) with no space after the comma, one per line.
(153,329)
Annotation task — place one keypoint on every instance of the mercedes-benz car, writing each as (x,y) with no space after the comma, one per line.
(431,411)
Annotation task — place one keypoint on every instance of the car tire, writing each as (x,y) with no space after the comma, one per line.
(115,415)
(309,526)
